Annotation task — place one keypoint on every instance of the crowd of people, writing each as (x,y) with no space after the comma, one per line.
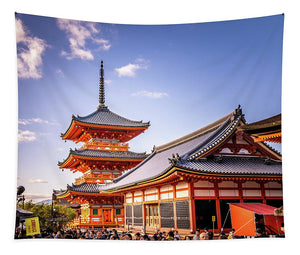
(113,234)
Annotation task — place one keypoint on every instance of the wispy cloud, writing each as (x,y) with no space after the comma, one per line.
(30,51)
(37,181)
(26,136)
(60,72)
(130,69)
(78,33)
(149,94)
(36,120)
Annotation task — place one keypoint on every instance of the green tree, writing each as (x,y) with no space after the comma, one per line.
(51,218)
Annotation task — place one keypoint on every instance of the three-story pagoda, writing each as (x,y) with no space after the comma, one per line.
(103,157)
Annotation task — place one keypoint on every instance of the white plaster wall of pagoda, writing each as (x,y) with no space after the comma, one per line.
(204,193)
(251,193)
(204,184)
(95,220)
(84,206)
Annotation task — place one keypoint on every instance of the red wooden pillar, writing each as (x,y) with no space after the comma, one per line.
(192,206)
(174,206)
(132,211)
(218,208)
(158,205)
(144,211)
(263,191)
(240,188)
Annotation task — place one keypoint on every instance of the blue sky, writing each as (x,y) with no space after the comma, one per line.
(178,77)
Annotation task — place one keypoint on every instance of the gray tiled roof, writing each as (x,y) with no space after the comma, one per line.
(85,187)
(158,162)
(103,116)
(183,152)
(233,165)
(108,154)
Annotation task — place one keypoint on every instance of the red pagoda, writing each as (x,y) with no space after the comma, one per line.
(104,156)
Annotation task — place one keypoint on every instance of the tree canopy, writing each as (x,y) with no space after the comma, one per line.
(51,217)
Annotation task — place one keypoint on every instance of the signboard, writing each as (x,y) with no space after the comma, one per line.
(32,226)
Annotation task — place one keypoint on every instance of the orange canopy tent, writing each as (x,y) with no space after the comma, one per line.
(243,218)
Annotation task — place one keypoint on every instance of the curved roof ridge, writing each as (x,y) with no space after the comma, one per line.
(211,127)
(106,151)
(271,121)
(210,139)
(110,118)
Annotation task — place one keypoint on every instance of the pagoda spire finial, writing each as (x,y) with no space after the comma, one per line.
(101,87)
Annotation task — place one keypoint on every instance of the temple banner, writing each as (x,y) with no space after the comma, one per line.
(32,226)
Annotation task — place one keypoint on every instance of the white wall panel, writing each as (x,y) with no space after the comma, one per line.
(273,193)
(183,193)
(168,195)
(204,193)
(206,184)
(251,193)
(227,184)
(224,193)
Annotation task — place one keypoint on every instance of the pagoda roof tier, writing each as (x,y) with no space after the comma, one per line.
(263,127)
(265,130)
(80,158)
(98,123)
(200,153)
(83,189)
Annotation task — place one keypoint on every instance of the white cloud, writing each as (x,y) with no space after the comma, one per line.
(30,51)
(60,72)
(130,69)
(26,136)
(78,32)
(149,94)
(36,120)
(37,181)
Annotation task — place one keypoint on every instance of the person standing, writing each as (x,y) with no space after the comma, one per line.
(177,235)
(197,235)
